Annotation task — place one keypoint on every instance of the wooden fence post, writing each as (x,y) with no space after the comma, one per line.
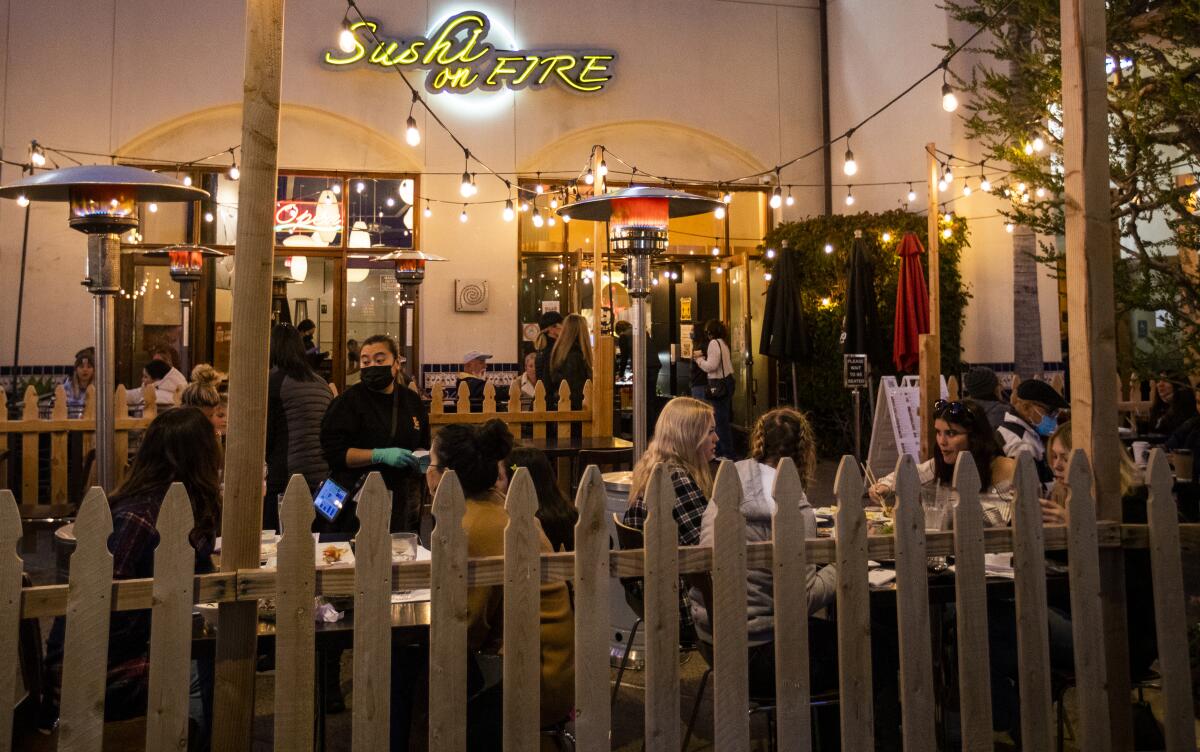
(85,651)
(1169,605)
(295,633)
(731,694)
(372,618)
(912,611)
(448,620)
(789,576)
(171,624)
(662,613)
(58,449)
(854,611)
(970,599)
(1091,675)
(593,714)
(539,405)
(11,567)
(1033,641)
(522,617)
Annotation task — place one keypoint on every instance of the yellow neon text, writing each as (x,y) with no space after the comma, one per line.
(440,47)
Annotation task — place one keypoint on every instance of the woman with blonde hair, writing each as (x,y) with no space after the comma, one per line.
(204,392)
(571,358)
(685,441)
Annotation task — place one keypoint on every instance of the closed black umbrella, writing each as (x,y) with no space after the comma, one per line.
(784,334)
(860,328)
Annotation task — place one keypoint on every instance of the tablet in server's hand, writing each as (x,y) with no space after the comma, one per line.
(329,499)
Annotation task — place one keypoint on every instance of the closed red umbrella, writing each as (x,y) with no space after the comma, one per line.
(912,305)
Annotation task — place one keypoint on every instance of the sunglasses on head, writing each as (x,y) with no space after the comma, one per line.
(956,411)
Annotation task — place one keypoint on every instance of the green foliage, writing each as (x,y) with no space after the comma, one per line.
(1015,99)
(823,276)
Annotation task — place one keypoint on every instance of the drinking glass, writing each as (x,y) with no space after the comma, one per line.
(404,548)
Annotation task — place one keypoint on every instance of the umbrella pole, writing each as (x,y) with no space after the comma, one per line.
(795,387)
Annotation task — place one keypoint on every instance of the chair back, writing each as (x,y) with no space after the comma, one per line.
(631,539)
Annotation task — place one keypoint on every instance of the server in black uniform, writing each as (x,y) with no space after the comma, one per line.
(376,424)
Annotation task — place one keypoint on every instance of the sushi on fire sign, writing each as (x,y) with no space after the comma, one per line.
(459,59)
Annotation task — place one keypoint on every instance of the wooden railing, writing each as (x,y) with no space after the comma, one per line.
(519,409)
(91,594)
(25,435)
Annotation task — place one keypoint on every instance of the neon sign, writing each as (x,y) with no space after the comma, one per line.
(460,60)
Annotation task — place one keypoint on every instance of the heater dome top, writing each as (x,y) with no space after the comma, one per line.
(56,185)
(680,204)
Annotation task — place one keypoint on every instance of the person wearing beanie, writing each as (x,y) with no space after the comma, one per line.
(1031,419)
(981,384)
(550,326)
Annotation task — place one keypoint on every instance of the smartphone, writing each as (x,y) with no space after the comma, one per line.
(329,499)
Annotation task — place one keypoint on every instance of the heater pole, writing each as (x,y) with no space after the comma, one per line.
(105,386)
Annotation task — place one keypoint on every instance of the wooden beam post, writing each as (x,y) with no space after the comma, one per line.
(1091,319)
(930,345)
(242,511)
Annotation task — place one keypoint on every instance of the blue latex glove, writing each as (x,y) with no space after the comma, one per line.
(394,457)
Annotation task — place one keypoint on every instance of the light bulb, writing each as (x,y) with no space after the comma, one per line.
(1028,148)
(234,172)
(829,247)
(716,251)
(850,167)
(551,221)
(462,217)
(539,189)
(674,275)
(727,198)
(412,134)
(720,269)
(985,185)
(153,208)
(588,177)
(719,212)
(538,220)
(37,157)
(947,233)
(886,237)
(208,217)
(776,198)
(428,212)
(508,211)
(1020,187)
(465,188)
(654,281)
(767,276)
(524,206)
(603,169)
(1008,227)
(1038,144)
(346,42)
(187,179)
(566,218)
(360,186)
(942,186)
(789,201)
(22,200)
(336,188)
(849,199)
(553,202)
(1040,192)
(948,174)
(390,201)
(949,101)
(770,253)
(912,195)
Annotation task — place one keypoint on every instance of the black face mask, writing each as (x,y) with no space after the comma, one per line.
(377,378)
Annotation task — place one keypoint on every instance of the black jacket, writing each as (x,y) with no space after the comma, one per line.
(295,411)
(362,419)
(575,371)
(541,363)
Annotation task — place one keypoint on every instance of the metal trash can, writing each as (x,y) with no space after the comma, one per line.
(621,616)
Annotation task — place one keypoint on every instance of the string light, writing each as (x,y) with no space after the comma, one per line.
(523,206)
(37,155)
(770,253)
(153,208)
(187,179)
(603,169)
(588,177)
(828,248)
(538,219)
(912,195)
(346,41)
(22,200)
(966,189)
(943,185)
(360,186)
(719,212)
(234,172)
(1028,149)
(1040,192)
(949,101)
(336,188)
(886,237)
(412,134)
(789,201)
(566,218)
(208,216)
(948,233)
(948,173)
(767,276)
(428,211)
(985,185)
(508,211)
(463,216)
(551,221)
(849,167)
(390,201)
(1008,227)
(554,202)
(1038,144)
(727,198)
(776,198)
(720,269)
(716,251)
(539,189)
(849,195)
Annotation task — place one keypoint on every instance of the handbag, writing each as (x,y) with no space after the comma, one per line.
(718,389)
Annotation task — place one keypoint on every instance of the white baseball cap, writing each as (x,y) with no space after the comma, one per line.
(476,355)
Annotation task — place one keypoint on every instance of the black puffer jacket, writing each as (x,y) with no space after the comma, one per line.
(294,413)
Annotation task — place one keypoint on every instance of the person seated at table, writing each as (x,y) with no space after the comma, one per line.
(1173,404)
(477,454)
(1139,592)
(959,427)
(178,446)
(204,394)
(685,442)
(782,432)
(76,385)
(981,384)
(529,379)
(1033,417)
(557,515)
(156,373)
(376,425)
(571,359)
(472,374)
(1187,436)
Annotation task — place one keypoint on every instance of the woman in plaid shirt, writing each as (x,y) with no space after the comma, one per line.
(685,441)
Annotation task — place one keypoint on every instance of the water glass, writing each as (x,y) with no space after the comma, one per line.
(404,548)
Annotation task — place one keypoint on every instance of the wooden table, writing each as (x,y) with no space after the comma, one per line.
(562,451)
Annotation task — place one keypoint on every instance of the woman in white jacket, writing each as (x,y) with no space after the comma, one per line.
(780,433)
(717,364)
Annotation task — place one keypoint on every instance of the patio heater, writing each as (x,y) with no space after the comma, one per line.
(103,204)
(410,273)
(187,263)
(638,218)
